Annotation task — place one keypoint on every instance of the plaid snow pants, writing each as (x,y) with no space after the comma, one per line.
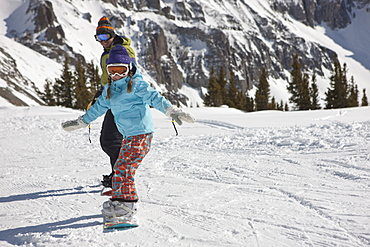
(133,150)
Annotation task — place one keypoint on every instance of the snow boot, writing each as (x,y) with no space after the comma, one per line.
(122,210)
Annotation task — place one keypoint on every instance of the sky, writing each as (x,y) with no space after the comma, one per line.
(265,178)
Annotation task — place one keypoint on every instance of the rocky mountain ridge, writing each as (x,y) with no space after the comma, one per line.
(179,41)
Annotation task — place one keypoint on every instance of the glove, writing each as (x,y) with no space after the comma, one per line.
(178,115)
(74,124)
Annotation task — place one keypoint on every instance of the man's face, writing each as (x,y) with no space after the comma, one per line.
(107,43)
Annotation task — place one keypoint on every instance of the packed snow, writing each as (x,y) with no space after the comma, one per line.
(231,179)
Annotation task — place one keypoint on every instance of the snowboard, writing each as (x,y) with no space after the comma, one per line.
(116,224)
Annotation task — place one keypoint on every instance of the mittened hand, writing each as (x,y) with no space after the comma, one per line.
(178,115)
(74,124)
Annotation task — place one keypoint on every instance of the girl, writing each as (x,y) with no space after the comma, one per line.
(128,96)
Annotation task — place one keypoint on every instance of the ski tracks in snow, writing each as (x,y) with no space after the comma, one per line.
(219,124)
(236,186)
(263,173)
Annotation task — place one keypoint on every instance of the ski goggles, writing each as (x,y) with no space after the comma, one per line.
(102,37)
(120,69)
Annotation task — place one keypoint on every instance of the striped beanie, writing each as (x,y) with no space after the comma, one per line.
(105,26)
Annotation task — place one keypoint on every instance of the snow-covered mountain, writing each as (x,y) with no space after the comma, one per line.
(177,42)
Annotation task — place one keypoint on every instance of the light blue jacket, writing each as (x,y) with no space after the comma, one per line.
(130,110)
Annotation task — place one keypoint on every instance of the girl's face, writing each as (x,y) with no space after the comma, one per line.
(117,71)
(117,77)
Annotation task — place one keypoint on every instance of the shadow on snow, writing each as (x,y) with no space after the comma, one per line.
(16,236)
(48,193)
(11,235)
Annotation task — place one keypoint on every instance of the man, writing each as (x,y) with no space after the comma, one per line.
(110,137)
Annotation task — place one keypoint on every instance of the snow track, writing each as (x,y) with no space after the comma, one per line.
(302,185)
(219,124)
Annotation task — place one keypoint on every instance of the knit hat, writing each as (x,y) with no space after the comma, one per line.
(105,26)
(118,54)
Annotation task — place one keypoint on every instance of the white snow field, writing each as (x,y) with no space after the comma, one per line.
(231,179)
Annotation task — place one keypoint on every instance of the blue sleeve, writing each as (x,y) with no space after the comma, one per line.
(97,109)
(150,96)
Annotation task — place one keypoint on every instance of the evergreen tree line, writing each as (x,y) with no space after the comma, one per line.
(221,92)
(303,89)
(340,94)
(74,89)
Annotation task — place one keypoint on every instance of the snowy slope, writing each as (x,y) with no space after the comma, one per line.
(34,66)
(231,179)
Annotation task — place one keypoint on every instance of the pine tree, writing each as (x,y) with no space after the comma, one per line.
(304,95)
(286,107)
(294,86)
(263,92)
(353,94)
(241,101)
(314,93)
(222,82)
(337,94)
(272,104)
(63,87)
(249,104)
(58,89)
(48,96)
(364,101)
(232,92)
(213,97)
(299,87)
(280,106)
(93,78)
(82,94)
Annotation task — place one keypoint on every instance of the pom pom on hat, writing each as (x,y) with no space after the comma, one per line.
(119,54)
(105,26)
